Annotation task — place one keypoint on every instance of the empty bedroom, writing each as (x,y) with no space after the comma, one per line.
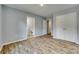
(39,28)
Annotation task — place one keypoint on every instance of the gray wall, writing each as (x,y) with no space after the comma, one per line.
(70,10)
(78,24)
(14,24)
(0,25)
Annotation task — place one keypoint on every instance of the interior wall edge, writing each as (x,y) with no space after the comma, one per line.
(1,41)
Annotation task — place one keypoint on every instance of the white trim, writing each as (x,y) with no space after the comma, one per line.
(15,41)
(19,40)
(77,42)
(66,40)
(11,42)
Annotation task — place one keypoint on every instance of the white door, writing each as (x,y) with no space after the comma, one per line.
(67,27)
(70,27)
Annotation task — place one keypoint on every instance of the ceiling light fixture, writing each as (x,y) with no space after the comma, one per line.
(41,5)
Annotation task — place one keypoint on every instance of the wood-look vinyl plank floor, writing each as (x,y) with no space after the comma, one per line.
(41,45)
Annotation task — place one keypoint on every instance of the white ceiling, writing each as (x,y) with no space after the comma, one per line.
(44,11)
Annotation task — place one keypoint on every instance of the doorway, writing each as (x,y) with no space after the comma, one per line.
(30,27)
(49,27)
(44,27)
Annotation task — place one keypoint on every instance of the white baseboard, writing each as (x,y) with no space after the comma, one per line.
(66,40)
(10,43)
(77,42)
(14,41)
(6,43)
